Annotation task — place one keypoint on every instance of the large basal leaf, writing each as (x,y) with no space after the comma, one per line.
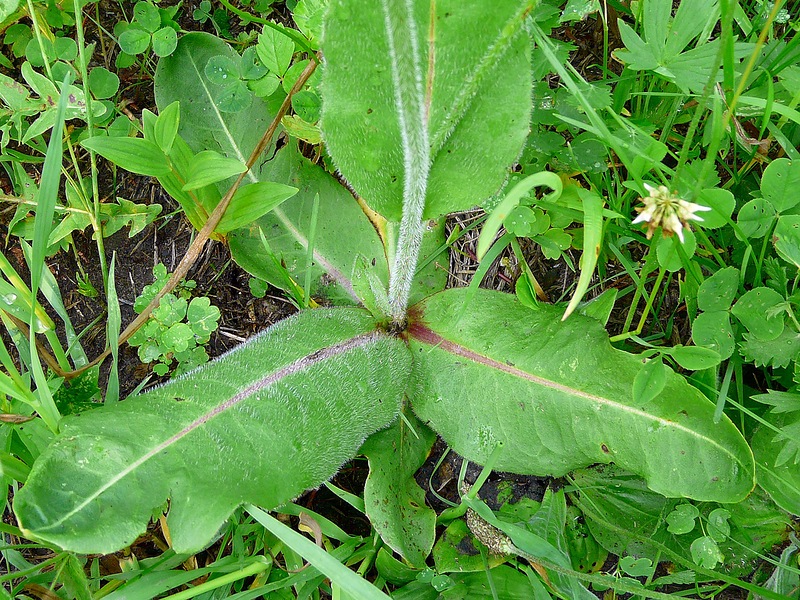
(268,420)
(557,396)
(343,231)
(205,126)
(181,76)
(475,59)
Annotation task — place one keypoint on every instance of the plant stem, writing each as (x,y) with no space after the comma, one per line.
(409,96)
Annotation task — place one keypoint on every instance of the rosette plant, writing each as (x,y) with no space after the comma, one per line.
(426,106)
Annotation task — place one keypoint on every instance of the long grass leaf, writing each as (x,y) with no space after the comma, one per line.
(355,585)
(43,224)
(112,334)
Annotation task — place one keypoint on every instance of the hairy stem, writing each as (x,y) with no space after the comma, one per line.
(409,95)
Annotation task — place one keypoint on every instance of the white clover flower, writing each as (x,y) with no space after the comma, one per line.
(664,209)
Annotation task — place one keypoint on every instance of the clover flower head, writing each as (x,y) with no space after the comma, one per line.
(665,209)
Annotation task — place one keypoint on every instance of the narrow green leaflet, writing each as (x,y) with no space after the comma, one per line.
(395,504)
(592,242)
(136,155)
(209,167)
(251,202)
(476,96)
(305,393)
(556,396)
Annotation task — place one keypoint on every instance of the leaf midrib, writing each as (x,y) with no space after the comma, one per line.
(303,363)
(278,212)
(425,335)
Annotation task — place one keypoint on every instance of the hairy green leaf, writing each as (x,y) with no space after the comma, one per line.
(475,97)
(554,397)
(342,233)
(274,417)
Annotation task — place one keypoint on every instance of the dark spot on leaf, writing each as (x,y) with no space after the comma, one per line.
(604,448)
(465,546)
(179,399)
(413,504)
(369,111)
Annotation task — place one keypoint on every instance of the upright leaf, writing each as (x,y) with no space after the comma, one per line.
(395,504)
(476,97)
(343,231)
(557,396)
(266,421)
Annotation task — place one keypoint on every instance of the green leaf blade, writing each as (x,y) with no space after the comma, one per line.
(136,155)
(558,397)
(779,183)
(253,201)
(204,125)
(209,167)
(219,436)
(395,504)
(472,93)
